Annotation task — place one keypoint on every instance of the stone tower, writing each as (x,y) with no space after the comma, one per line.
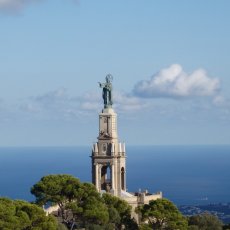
(108,154)
(109,158)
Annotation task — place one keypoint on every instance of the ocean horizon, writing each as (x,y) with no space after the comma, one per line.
(196,174)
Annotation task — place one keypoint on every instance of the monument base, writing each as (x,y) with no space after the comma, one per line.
(138,199)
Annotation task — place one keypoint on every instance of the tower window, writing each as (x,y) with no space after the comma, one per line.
(106,178)
(104,148)
(122,178)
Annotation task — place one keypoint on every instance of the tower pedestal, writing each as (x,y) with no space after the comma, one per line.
(108,156)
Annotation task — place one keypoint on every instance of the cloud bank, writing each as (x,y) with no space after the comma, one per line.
(15,4)
(58,104)
(122,101)
(174,82)
(126,102)
(55,104)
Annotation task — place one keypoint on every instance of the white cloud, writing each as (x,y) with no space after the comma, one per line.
(90,101)
(55,104)
(15,4)
(53,97)
(58,104)
(174,82)
(122,101)
(125,102)
(219,100)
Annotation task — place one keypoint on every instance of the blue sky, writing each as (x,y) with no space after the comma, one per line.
(169,60)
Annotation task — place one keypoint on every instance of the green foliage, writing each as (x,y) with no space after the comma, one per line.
(76,200)
(58,189)
(21,215)
(162,214)
(119,212)
(145,227)
(81,204)
(204,221)
(114,216)
(193,227)
(99,227)
(95,211)
(61,227)
(89,208)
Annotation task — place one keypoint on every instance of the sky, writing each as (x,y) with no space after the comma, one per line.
(169,61)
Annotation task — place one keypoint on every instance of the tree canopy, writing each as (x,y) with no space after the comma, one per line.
(204,221)
(119,212)
(21,215)
(81,204)
(161,214)
(57,189)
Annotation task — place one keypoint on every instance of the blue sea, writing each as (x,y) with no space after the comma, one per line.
(185,174)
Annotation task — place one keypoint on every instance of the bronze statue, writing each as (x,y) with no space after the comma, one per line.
(107,91)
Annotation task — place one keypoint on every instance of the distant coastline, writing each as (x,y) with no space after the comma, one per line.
(222,210)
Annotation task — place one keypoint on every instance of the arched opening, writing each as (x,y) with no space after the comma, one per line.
(122,178)
(106,178)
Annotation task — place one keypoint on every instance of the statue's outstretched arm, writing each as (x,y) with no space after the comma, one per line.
(101,84)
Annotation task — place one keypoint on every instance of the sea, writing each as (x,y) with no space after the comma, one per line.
(186,175)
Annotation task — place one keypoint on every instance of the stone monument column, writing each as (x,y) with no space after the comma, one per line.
(108,152)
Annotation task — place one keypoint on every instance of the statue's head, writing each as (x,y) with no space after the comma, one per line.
(109,78)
